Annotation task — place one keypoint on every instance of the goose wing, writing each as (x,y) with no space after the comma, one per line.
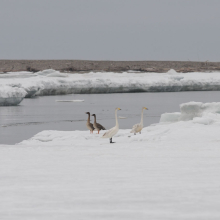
(91,126)
(135,128)
(100,127)
(110,133)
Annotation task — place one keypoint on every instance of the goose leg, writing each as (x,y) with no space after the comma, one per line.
(111,141)
(140,132)
(134,133)
(98,131)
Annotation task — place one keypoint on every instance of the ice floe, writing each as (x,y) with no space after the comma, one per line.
(11,95)
(51,82)
(193,111)
(170,171)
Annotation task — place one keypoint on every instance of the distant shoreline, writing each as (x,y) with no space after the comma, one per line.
(74,66)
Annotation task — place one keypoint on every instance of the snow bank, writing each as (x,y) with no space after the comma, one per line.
(51,82)
(197,109)
(170,171)
(11,95)
(159,178)
(203,113)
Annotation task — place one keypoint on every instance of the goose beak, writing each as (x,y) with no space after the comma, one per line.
(119,109)
(145,108)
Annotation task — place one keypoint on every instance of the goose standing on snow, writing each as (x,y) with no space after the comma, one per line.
(88,124)
(96,125)
(138,127)
(113,131)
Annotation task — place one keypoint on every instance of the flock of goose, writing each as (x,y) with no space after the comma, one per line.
(113,131)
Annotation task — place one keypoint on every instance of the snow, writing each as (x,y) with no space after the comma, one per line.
(194,110)
(51,82)
(170,171)
(51,73)
(11,95)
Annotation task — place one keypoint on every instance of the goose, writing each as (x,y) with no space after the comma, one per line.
(96,125)
(88,124)
(113,131)
(138,127)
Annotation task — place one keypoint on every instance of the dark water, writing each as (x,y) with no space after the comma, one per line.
(44,113)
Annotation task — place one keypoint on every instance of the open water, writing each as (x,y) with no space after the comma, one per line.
(34,115)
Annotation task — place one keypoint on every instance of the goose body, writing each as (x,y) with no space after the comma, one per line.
(113,131)
(96,125)
(88,124)
(138,127)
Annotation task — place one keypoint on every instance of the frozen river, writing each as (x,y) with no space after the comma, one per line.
(21,122)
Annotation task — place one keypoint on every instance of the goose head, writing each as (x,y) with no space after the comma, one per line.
(117,109)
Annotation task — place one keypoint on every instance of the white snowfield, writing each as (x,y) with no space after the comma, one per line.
(198,112)
(170,171)
(51,82)
(11,95)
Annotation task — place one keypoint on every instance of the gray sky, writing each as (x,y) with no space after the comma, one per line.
(110,29)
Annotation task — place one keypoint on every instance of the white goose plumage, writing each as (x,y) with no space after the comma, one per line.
(138,127)
(113,131)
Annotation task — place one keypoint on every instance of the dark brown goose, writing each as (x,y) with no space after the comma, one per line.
(96,125)
(88,124)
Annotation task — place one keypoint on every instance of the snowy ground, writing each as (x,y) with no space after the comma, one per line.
(51,82)
(170,171)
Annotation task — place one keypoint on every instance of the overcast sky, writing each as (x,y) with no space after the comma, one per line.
(110,29)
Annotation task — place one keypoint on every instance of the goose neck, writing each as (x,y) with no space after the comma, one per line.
(116,118)
(88,118)
(142,116)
